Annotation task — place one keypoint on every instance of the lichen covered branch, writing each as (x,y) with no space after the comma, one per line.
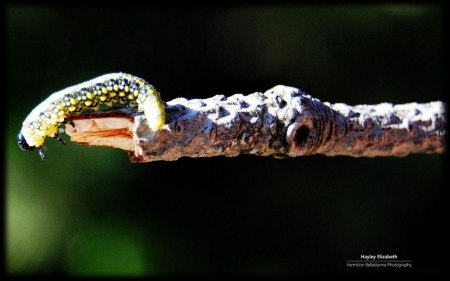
(281,122)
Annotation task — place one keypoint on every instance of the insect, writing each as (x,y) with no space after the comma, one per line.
(45,119)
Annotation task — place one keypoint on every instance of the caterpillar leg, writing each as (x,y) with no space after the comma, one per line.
(59,139)
(41,151)
(70,122)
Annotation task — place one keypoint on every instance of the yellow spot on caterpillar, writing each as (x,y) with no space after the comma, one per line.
(121,94)
(127,89)
(130,97)
(104,90)
(102,98)
(73,101)
(60,107)
(136,93)
(88,103)
(112,94)
(72,108)
(61,113)
(116,88)
(52,130)
(89,96)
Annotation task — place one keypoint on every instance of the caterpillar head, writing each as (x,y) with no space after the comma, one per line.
(23,143)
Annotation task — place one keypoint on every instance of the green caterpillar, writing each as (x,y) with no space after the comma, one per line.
(45,119)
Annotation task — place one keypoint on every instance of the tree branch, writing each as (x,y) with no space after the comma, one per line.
(281,122)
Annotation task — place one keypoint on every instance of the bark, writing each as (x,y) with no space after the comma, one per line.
(281,122)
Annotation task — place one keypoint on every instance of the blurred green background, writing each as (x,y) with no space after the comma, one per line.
(87,211)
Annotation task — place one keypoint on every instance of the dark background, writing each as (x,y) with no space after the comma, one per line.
(88,211)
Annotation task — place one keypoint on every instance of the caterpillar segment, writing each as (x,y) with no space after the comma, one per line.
(45,119)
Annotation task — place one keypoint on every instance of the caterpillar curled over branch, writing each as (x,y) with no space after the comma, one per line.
(45,119)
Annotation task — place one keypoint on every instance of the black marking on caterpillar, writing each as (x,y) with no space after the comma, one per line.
(45,119)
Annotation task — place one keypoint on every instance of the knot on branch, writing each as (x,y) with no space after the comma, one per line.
(308,126)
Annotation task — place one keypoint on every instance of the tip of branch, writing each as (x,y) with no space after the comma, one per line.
(104,128)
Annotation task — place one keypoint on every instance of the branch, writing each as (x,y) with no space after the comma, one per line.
(280,122)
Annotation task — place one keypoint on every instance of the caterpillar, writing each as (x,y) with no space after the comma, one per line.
(45,119)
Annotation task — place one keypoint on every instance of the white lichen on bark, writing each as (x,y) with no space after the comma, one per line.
(281,122)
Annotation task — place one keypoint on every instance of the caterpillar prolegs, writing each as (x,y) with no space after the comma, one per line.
(45,119)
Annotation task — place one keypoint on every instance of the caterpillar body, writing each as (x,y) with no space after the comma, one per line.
(45,119)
